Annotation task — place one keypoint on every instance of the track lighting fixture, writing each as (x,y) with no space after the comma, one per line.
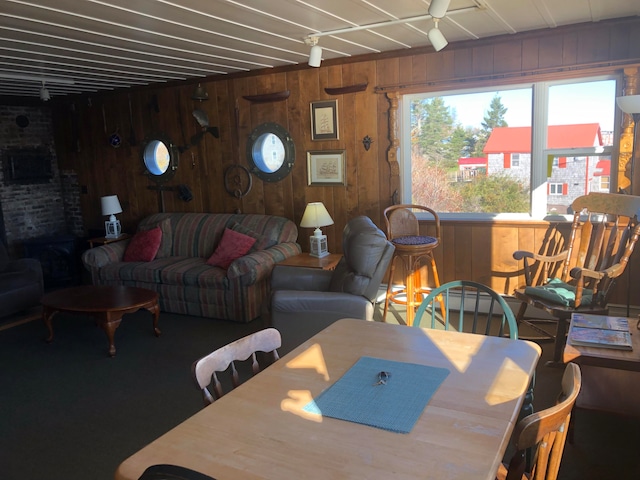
(436,37)
(315,55)
(438,8)
(44,93)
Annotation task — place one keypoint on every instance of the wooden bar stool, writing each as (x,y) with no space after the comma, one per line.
(413,250)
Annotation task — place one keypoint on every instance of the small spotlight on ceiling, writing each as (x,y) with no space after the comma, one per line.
(44,93)
(436,37)
(315,55)
(438,8)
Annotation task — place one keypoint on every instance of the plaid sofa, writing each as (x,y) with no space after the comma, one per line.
(184,281)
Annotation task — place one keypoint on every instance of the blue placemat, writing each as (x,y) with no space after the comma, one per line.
(395,406)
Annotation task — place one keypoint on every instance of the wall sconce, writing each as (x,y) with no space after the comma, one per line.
(200,93)
(631,104)
(316,216)
(315,55)
(111,206)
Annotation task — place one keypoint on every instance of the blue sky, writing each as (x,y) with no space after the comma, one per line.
(591,102)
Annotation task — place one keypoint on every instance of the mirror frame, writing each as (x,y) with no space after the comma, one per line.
(174,158)
(289,151)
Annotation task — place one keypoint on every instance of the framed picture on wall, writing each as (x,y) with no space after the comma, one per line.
(326,167)
(324,120)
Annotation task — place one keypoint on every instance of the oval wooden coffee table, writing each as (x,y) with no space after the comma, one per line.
(107,304)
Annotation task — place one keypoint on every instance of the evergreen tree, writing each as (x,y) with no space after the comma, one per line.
(493,118)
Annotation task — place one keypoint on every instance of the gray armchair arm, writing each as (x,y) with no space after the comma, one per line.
(300,278)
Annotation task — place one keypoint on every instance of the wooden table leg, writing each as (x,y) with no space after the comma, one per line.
(109,323)
(155,311)
(47,314)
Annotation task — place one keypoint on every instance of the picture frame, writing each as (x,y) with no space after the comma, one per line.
(326,167)
(324,120)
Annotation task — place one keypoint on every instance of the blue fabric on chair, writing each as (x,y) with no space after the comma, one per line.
(414,240)
(394,406)
(560,292)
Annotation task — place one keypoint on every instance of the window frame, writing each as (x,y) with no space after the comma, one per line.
(538,174)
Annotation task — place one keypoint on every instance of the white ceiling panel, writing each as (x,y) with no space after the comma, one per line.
(93,45)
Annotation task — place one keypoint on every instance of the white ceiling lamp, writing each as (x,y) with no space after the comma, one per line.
(438,9)
(44,93)
(315,55)
(438,42)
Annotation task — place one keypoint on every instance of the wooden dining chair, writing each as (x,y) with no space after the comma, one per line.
(546,432)
(581,277)
(206,370)
(480,310)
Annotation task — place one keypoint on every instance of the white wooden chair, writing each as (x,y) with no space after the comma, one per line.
(205,370)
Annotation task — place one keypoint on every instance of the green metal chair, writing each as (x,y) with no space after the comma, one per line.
(491,314)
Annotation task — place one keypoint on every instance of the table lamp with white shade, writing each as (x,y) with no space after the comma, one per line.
(316,216)
(111,206)
(631,104)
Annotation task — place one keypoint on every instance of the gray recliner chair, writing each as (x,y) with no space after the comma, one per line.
(306,300)
(21,283)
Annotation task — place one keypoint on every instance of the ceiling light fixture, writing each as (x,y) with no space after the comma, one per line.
(315,55)
(200,93)
(44,93)
(437,9)
(436,37)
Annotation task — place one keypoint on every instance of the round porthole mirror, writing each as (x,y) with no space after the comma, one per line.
(270,152)
(160,158)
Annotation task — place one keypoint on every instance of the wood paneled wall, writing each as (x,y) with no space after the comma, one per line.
(479,251)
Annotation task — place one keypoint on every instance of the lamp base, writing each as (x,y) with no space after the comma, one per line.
(318,246)
(112,229)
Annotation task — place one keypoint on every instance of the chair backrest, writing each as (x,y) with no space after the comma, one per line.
(172,472)
(205,370)
(402,221)
(487,313)
(547,431)
(366,256)
(603,235)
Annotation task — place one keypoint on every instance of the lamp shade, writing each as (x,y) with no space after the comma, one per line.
(629,103)
(438,8)
(110,205)
(315,56)
(437,39)
(316,216)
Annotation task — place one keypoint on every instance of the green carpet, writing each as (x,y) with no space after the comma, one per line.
(68,411)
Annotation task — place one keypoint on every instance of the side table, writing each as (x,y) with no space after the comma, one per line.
(305,260)
(105,241)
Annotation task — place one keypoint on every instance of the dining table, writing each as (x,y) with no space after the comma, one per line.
(461,408)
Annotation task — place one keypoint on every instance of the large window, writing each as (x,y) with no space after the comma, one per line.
(526,149)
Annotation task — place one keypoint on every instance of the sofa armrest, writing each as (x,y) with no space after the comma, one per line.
(103,255)
(285,277)
(257,266)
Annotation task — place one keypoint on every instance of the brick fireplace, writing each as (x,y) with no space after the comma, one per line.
(39,207)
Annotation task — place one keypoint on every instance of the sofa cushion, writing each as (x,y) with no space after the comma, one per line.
(143,246)
(232,245)
(164,250)
(262,241)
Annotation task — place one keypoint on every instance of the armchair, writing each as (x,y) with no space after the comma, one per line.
(21,283)
(306,300)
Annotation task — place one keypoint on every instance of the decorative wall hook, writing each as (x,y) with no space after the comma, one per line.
(367,141)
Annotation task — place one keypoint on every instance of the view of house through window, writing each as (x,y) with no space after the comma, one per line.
(476,151)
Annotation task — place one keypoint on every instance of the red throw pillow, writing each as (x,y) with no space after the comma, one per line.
(232,245)
(143,246)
